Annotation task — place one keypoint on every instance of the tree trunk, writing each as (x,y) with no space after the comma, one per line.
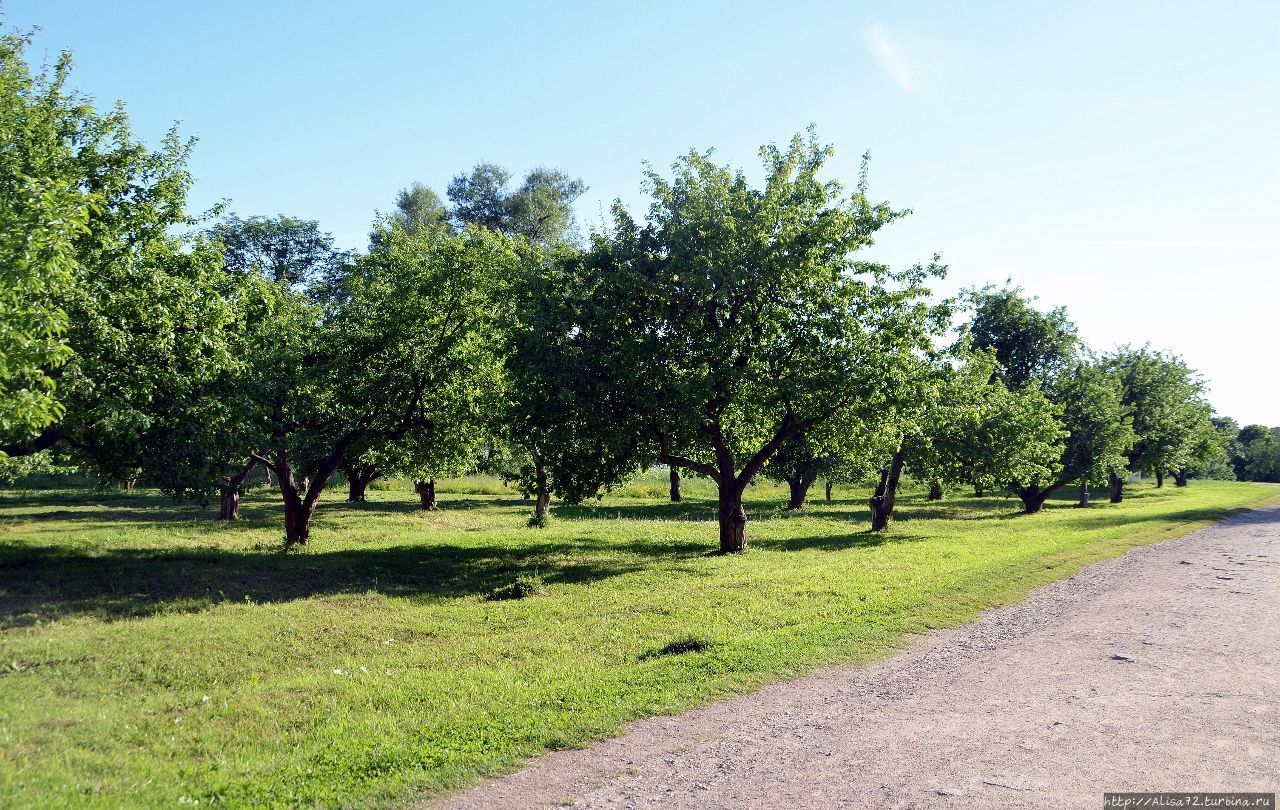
(542,502)
(675,484)
(358,478)
(1032,499)
(300,500)
(1180,478)
(1117,488)
(229,503)
(733,518)
(232,487)
(828,490)
(297,519)
(886,496)
(935,491)
(427,494)
(130,484)
(1159,479)
(1084,493)
(799,490)
(977,490)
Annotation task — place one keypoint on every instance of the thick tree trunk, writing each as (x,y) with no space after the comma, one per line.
(1180,478)
(355,490)
(675,484)
(229,503)
(977,491)
(426,494)
(1159,479)
(1084,493)
(297,519)
(232,487)
(828,490)
(733,518)
(1117,488)
(301,499)
(935,491)
(358,478)
(1032,499)
(886,496)
(799,490)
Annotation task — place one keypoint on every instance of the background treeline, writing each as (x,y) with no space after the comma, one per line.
(734,331)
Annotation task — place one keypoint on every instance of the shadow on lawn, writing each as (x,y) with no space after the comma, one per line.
(41,583)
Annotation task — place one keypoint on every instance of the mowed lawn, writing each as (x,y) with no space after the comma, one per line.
(150,656)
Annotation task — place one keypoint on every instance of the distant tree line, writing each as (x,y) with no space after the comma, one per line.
(1252,451)
(734,331)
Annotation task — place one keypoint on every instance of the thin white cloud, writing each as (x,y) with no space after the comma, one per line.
(889,55)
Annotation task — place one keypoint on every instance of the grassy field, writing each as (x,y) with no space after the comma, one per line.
(149,656)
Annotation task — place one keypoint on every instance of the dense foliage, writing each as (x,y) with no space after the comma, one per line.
(735,330)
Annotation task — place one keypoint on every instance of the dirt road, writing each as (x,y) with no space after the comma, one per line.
(1154,671)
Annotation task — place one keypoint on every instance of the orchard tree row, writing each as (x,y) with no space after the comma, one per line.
(732,331)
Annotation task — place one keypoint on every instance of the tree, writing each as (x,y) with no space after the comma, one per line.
(202,443)
(978,431)
(1097,432)
(42,210)
(735,319)
(1258,453)
(540,210)
(285,249)
(557,403)
(144,313)
(798,463)
(539,319)
(482,197)
(414,327)
(1028,344)
(1165,397)
(419,208)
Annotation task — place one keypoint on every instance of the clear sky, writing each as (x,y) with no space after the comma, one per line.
(1119,158)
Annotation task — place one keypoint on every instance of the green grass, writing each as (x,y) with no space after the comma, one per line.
(150,656)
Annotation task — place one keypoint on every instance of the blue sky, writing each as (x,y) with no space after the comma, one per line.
(1117,158)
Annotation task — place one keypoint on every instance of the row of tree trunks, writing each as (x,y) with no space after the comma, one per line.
(886,495)
(426,494)
(675,484)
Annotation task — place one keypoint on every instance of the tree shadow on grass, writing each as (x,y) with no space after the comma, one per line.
(688,510)
(843,542)
(40,583)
